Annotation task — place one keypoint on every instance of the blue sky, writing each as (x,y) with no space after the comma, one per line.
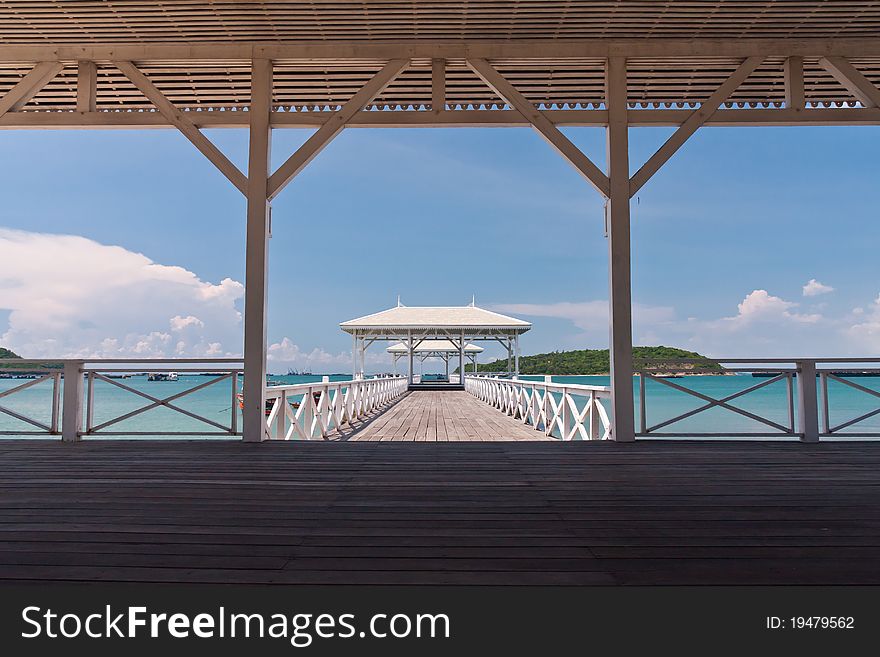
(725,237)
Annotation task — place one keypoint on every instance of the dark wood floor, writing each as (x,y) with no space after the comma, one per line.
(451,513)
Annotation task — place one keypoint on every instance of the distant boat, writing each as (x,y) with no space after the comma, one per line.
(162,376)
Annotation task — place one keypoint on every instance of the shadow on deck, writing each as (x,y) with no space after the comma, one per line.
(454,513)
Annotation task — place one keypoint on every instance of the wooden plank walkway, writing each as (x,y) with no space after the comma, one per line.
(447,415)
(440,513)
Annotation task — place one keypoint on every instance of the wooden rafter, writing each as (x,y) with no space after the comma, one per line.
(29,86)
(86,86)
(795,94)
(541,124)
(693,122)
(857,84)
(333,126)
(438,85)
(180,121)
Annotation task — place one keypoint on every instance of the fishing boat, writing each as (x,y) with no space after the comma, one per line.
(162,376)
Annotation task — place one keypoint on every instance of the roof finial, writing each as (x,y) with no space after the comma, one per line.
(473,301)
(398,301)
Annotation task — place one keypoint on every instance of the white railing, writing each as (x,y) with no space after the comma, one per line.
(36,424)
(565,411)
(310,410)
(799,401)
(78,388)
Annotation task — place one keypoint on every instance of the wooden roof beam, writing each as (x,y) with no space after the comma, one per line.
(462,49)
(794,83)
(29,86)
(86,86)
(697,118)
(542,125)
(177,118)
(333,126)
(857,84)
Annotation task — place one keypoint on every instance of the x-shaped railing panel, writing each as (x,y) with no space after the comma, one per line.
(50,428)
(157,402)
(828,428)
(712,402)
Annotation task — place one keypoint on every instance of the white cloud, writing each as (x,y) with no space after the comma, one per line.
(760,305)
(287,352)
(814,288)
(764,325)
(179,323)
(865,331)
(69,296)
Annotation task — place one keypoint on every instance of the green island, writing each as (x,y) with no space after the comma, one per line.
(660,360)
(8,360)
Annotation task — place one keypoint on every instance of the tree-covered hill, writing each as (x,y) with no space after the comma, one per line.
(8,360)
(595,361)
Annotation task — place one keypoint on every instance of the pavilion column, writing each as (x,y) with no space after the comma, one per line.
(619,267)
(461,360)
(257,253)
(516,355)
(409,343)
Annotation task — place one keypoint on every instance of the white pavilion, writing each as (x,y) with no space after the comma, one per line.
(443,331)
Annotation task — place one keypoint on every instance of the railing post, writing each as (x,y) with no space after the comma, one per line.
(808,410)
(643,406)
(280,428)
(56,402)
(826,417)
(72,408)
(595,424)
(566,415)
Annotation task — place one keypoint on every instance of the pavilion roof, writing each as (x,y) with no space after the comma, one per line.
(436,318)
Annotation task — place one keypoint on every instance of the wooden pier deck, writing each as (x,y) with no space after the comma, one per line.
(440,513)
(447,415)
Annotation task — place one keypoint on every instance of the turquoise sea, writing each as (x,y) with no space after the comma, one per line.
(215,402)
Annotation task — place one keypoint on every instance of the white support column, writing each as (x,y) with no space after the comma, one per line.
(257,253)
(354,359)
(619,269)
(509,356)
(363,365)
(72,401)
(808,406)
(516,355)
(461,360)
(409,344)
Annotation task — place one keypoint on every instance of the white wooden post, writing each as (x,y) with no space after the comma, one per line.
(808,408)
(354,360)
(409,343)
(72,406)
(257,252)
(516,361)
(619,274)
(461,360)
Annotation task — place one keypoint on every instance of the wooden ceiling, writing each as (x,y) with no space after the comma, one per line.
(198,53)
(140,21)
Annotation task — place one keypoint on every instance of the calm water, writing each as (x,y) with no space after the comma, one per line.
(216,402)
